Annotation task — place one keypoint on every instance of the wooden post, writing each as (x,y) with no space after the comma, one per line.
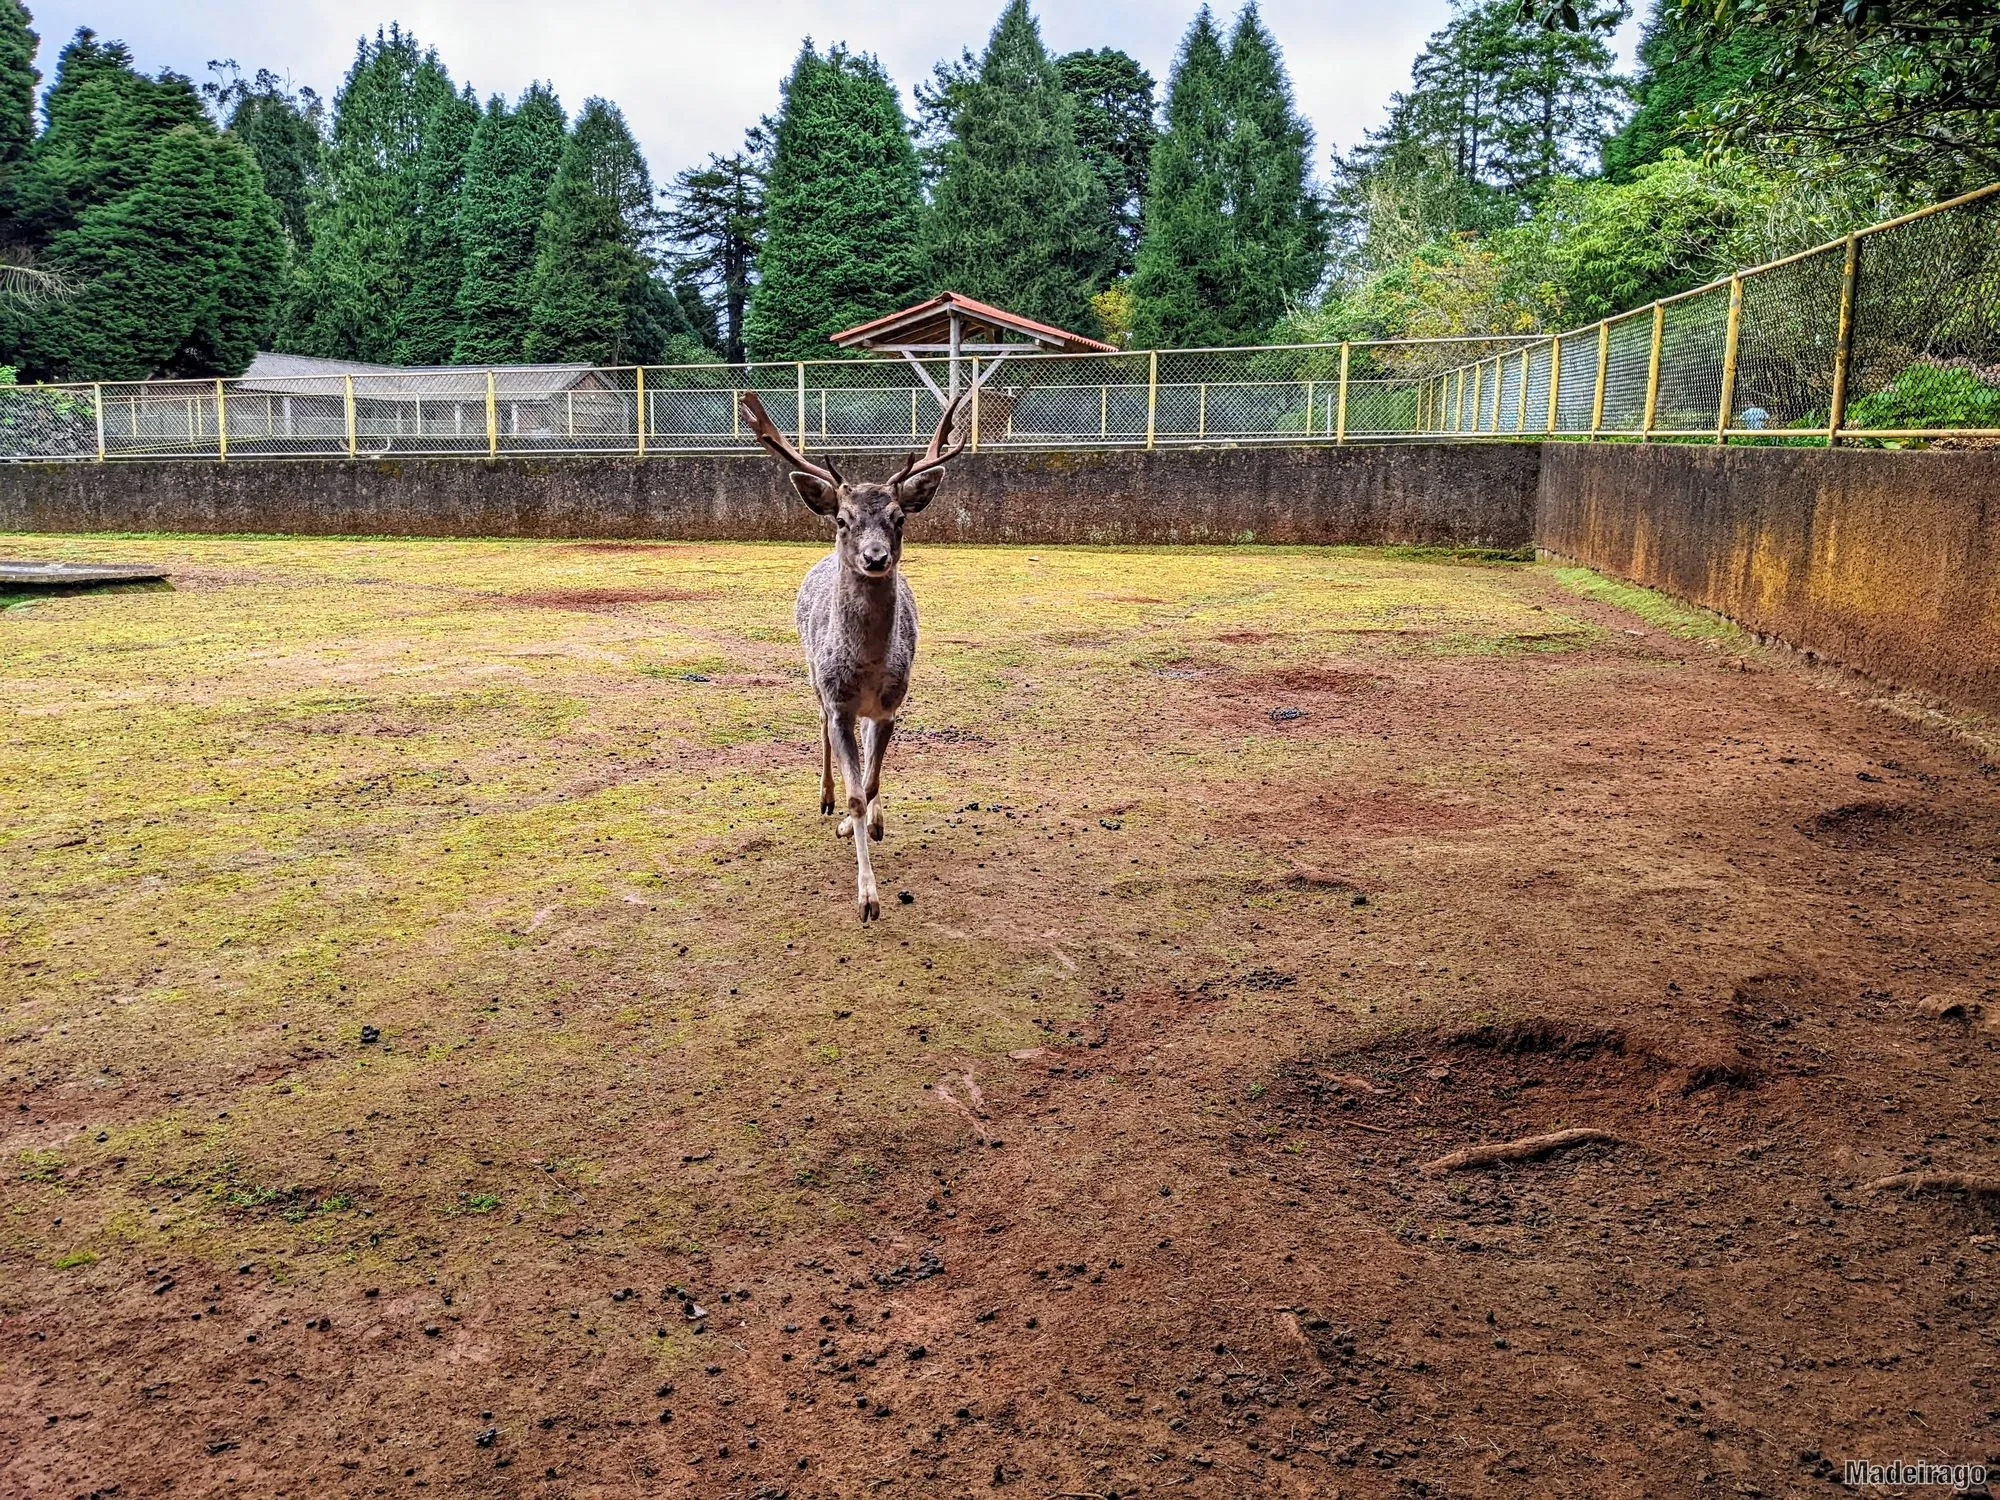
(1843,342)
(1732,340)
(97,397)
(639,392)
(1152,394)
(348,380)
(492,417)
(221,425)
(1653,373)
(1555,380)
(1603,363)
(1340,417)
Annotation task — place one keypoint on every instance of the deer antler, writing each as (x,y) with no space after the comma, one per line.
(773,441)
(937,455)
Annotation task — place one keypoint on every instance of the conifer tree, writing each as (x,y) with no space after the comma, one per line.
(1184,266)
(178,276)
(1277,222)
(509,169)
(1020,217)
(593,297)
(427,324)
(842,208)
(363,228)
(283,129)
(1114,126)
(717,221)
(18,80)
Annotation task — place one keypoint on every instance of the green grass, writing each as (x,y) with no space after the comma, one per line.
(1656,609)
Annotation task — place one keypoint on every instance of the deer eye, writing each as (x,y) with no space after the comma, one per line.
(840,522)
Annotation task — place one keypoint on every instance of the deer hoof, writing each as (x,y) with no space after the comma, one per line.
(871,909)
(875,828)
(846,827)
(826,807)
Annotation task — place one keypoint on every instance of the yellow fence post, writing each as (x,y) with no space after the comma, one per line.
(1843,342)
(1310,398)
(1653,373)
(639,391)
(492,416)
(1603,365)
(1499,387)
(975,404)
(348,381)
(1103,411)
(1555,380)
(736,413)
(913,413)
(1201,411)
(1521,404)
(802,405)
(1152,394)
(1340,401)
(1730,343)
(97,397)
(221,425)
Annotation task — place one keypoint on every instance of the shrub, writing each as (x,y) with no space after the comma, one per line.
(1930,395)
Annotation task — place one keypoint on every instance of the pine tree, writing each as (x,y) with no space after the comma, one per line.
(509,169)
(842,209)
(1114,126)
(1277,224)
(1020,216)
(717,221)
(591,297)
(1679,75)
(18,80)
(427,322)
(179,276)
(363,228)
(1185,265)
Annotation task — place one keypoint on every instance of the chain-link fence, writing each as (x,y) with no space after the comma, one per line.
(1892,333)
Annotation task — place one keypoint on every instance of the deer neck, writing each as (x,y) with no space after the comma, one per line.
(869,604)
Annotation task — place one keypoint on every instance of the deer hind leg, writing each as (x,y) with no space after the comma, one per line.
(825,765)
(847,748)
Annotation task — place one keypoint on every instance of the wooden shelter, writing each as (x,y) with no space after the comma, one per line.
(957,326)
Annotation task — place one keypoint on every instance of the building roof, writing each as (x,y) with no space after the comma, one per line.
(308,375)
(927,327)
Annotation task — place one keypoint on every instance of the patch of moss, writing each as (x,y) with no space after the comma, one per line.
(1659,610)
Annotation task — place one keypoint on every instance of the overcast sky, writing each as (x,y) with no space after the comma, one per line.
(692,74)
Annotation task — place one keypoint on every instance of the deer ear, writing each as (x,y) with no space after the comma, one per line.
(818,495)
(914,494)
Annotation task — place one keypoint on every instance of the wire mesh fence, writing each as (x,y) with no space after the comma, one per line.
(1892,333)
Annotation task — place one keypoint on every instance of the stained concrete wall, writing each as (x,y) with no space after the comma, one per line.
(1885,562)
(1460,495)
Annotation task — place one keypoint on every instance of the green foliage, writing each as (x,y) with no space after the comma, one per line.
(716,218)
(179,275)
(359,271)
(1931,395)
(842,208)
(1114,126)
(509,169)
(1679,76)
(427,328)
(1234,230)
(1020,216)
(284,130)
(593,297)
(18,81)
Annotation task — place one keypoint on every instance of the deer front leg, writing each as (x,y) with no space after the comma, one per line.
(847,749)
(825,764)
(878,751)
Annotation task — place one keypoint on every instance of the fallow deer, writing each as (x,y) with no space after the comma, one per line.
(857,621)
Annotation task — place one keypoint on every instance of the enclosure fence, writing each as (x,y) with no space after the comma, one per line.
(1892,332)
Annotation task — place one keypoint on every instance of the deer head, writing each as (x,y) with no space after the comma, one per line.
(867,518)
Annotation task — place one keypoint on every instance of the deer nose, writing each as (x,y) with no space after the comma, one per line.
(875,559)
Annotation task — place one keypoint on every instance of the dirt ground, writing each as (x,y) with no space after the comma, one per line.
(440,1054)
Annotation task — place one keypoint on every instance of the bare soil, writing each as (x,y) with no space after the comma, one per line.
(440,1054)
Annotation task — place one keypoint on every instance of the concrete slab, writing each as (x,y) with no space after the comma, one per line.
(69,575)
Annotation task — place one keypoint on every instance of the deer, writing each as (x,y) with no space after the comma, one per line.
(857,621)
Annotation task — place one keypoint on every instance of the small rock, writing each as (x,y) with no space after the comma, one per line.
(1286,715)
(431,1330)
(370,1034)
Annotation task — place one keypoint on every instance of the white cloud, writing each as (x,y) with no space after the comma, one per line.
(691,74)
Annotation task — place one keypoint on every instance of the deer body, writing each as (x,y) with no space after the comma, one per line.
(857,623)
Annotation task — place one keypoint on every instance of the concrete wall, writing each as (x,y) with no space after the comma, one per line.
(1885,562)
(1464,495)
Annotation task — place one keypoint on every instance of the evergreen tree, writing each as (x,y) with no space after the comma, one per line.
(717,221)
(842,208)
(1114,126)
(178,276)
(509,168)
(284,130)
(593,296)
(18,80)
(427,324)
(1185,264)
(1277,224)
(363,228)
(1679,76)
(1020,216)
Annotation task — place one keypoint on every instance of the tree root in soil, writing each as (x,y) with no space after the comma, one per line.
(1935,1182)
(1528,1148)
